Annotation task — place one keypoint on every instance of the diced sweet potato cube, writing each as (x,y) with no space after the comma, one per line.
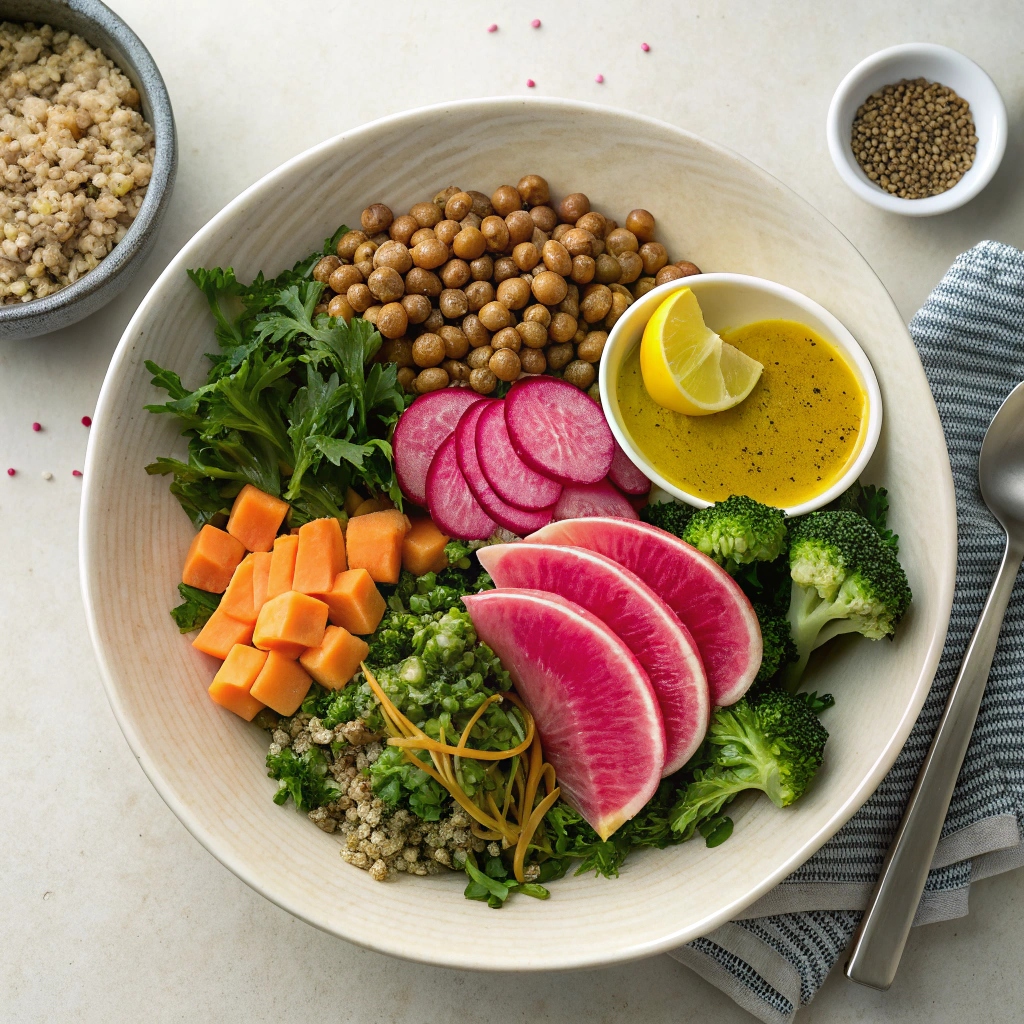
(260,578)
(336,660)
(354,601)
(212,557)
(423,548)
(320,556)
(238,601)
(221,633)
(282,684)
(256,517)
(378,504)
(289,623)
(374,543)
(282,565)
(353,499)
(233,681)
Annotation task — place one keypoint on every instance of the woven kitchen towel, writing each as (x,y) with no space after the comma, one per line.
(970,335)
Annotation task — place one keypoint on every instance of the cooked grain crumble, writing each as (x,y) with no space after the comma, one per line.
(76,156)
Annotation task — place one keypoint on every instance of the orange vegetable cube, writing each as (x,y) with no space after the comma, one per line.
(378,504)
(423,548)
(353,499)
(212,557)
(256,517)
(289,623)
(282,684)
(233,681)
(354,601)
(320,556)
(221,633)
(238,598)
(336,660)
(374,543)
(282,565)
(260,578)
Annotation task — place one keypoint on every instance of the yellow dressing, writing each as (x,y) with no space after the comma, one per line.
(787,442)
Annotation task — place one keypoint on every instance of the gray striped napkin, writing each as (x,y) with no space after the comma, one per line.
(970,335)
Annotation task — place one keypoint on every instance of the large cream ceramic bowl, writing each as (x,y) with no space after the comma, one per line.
(712,207)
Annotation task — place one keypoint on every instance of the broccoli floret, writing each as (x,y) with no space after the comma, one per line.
(774,743)
(670,516)
(873,504)
(846,579)
(777,638)
(737,531)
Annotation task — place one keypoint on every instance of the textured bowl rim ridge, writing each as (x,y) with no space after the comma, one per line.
(265,881)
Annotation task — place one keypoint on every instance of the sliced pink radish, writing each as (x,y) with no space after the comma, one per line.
(627,477)
(505,515)
(579,501)
(558,431)
(419,433)
(512,479)
(450,501)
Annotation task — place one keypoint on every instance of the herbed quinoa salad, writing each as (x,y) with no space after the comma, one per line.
(477,640)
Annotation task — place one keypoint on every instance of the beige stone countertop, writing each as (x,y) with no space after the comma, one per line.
(110,910)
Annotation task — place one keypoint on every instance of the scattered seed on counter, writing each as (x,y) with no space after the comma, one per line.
(86,421)
(37,427)
(47,475)
(530,83)
(76,472)
(535,23)
(599,79)
(11,471)
(645,47)
(492,28)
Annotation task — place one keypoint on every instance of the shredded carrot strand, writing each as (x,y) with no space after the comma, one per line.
(527,833)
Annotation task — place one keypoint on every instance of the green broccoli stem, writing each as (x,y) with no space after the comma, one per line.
(813,621)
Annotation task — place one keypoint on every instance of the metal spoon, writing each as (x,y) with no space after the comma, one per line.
(878,944)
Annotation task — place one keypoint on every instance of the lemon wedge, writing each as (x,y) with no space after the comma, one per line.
(687,367)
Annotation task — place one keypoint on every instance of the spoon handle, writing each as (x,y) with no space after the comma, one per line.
(878,944)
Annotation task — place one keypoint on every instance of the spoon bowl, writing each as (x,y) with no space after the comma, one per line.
(1001,465)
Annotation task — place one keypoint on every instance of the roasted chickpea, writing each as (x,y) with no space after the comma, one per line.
(340,307)
(642,286)
(578,242)
(430,380)
(324,268)
(597,248)
(539,238)
(620,303)
(469,243)
(513,293)
(456,369)
(434,322)
(593,222)
(365,268)
(456,344)
(423,282)
(494,316)
(495,233)
(621,240)
(370,315)
(458,205)
(609,226)
(563,327)
(421,236)
(425,214)
(556,258)
(428,350)
(581,333)
(596,303)
(394,255)
(430,253)
(453,303)
(447,230)
(479,357)
(538,314)
(343,277)
(559,356)
(417,307)
(583,269)
(392,320)
(505,364)
(475,331)
(580,373)
(654,256)
(507,337)
(481,204)
(592,346)
(549,288)
(688,268)
(348,243)
(560,231)
(526,256)
(360,298)
(482,381)
(641,223)
(632,266)
(402,228)
(386,285)
(364,251)
(376,217)
(455,273)
(478,294)
(533,360)
(471,220)
(571,303)
(532,334)
(670,273)
(572,207)
(481,268)
(380,238)
(406,376)
(544,217)
(504,268)
(506,199)
(520,226)
(594,392)
(533,190)
(607,269)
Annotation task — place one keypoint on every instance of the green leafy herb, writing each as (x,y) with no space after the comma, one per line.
(303,777)
(490,885)
(196,609)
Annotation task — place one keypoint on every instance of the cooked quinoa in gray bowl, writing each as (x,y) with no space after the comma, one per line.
(87,157)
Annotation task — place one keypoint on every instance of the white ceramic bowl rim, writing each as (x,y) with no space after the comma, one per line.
(987,108)
(840,337)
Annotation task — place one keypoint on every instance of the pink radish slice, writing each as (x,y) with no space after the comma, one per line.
(512,479)
(507,516)
(600,499)
(558,431)
(450,501)
(627,477)
(419,433)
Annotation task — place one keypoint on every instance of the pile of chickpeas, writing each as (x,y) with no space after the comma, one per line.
(471,289)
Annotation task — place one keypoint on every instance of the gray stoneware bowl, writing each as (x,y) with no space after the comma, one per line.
(100,26)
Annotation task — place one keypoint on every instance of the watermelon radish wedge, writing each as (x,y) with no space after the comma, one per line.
(622,601)
(558,431)
(512,479)
(419,433)
(600,499)
(706,598)
(596,713)
(449,499)
(627,477)
(505,515)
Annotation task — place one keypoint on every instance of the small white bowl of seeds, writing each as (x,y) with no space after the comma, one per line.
(917,129)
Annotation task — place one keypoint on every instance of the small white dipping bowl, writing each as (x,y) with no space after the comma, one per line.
(937,64)
(727,301)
